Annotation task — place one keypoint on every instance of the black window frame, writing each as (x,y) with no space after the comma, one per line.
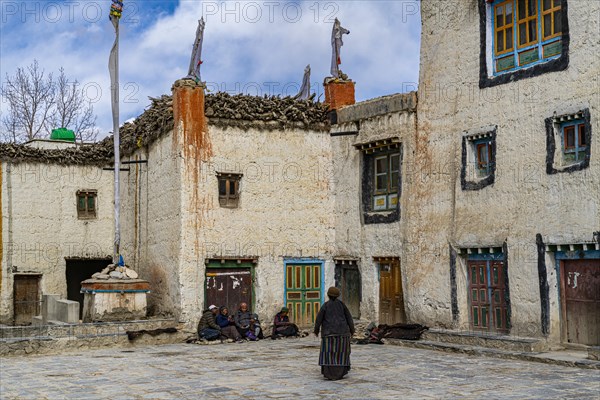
(555,64)
(470,141)
(552,125)
(368,184)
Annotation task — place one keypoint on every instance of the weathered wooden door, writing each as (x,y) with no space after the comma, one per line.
(351,290)
(26,298)
(391,298)
(581,301)
(228,287)
(350,287)
(303,292)
(487,295)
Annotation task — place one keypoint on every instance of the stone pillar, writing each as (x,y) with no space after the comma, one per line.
(339,93)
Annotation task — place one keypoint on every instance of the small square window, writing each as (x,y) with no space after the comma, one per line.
(574,148)
(478,159)
(229,189)
(567,142)
(86,204)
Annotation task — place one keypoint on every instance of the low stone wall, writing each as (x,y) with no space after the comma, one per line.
(51,339)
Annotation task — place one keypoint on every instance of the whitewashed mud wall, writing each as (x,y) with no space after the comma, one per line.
(524,200)
(40,227)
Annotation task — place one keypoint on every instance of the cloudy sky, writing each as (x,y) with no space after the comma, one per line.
(254,47)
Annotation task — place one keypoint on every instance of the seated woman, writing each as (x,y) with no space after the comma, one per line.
(225,321)
(254,329)
(282,325)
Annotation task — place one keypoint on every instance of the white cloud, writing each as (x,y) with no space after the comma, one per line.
(380,54)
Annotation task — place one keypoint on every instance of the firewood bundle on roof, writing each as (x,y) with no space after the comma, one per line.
(221,109)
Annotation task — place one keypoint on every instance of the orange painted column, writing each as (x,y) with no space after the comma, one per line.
(188,114)
(339,94)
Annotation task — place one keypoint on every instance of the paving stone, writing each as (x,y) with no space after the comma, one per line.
(286,369)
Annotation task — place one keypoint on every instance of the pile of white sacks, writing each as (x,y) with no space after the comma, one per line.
(115,272)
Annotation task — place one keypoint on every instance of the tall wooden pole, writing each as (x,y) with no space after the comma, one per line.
(113,65)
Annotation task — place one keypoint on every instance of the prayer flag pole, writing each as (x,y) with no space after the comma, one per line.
(116,10)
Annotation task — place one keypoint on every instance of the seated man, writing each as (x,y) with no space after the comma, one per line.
(247,323)
(207,327)
(228,329)
(282,325)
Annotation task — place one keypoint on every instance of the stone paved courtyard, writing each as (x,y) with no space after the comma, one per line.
(285,369)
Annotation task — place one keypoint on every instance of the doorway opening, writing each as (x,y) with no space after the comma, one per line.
(303,290)
(348,280)
(580,300)
(79,270)
(229,283)
(488,293)
(391,296)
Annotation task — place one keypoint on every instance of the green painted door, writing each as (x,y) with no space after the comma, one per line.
(303,292)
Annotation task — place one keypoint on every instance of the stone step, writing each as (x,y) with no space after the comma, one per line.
(479,339)
(563,358)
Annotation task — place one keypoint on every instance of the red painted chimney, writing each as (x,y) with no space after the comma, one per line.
(339,93)
(189,119)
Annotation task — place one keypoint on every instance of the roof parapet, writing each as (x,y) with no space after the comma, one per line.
(378,106)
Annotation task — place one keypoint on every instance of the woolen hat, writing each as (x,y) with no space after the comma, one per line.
(212,307)
(333,292)
(284,309)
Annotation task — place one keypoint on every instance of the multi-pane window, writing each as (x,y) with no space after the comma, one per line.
(483,155)
(387,178)
(527,22)
(86,204)
(535,26)
(504,27)
(551,19)
(574,141)
(229,189)
(381,183)
(568,139)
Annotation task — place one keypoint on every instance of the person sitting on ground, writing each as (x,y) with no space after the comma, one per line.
(228,329)
(247,323)
(254,329)
(282,326)
(207,327)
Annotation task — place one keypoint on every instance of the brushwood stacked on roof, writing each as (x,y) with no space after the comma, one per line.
(222,109)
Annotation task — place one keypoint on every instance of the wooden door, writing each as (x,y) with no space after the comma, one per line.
(303,292)
(228,287)
(487,295)
(26,298)
(351,289)
(581,301)
(391,299)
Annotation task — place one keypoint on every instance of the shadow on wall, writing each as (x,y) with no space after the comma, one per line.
(159,302)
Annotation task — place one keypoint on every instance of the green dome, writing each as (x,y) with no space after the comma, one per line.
(62,134)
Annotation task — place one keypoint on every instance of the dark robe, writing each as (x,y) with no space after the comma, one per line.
(337,327)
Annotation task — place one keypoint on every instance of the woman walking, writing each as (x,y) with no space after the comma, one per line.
(337,327)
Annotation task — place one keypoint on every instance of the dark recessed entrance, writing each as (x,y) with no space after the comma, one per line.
(79,270)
